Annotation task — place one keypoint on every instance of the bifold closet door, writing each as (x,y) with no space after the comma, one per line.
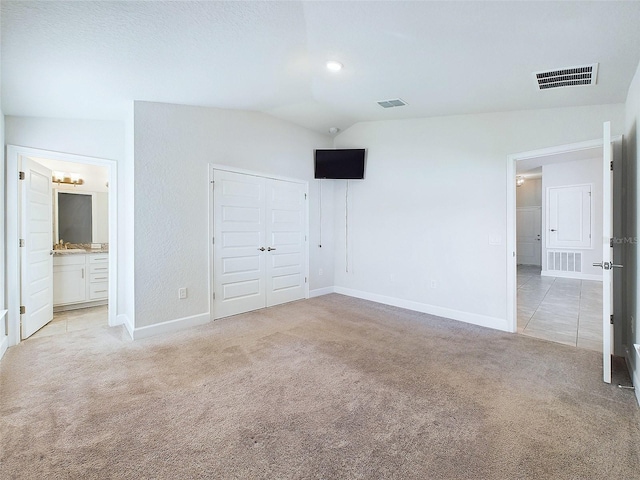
(259,247)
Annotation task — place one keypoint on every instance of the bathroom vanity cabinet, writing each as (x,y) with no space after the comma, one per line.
(80,278)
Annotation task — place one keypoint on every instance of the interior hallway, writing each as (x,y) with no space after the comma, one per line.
(562,310)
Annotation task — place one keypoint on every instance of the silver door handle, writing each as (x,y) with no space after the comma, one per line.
(270,249)
(607,265)
(262,249)
(554,230)
(50,252)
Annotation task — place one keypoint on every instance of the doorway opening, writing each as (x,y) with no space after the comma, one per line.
(68,277)
(558,222)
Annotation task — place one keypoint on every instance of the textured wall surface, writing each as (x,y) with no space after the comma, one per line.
(174,146)
(428,224)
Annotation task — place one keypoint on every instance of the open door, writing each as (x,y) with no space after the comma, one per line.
(36,254)
(607,264)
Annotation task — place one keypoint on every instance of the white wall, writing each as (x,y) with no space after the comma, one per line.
(4,340)
(581,172)
(174,144)
(630,246)
(529,194)
(432,209)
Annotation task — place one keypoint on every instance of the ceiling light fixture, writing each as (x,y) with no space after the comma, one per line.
(334,66)
(333,130)
(519,181)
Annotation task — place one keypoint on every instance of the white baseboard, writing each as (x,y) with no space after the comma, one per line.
(576,275)
(473,318)
(126,321)
(318,292)
(171,326)
(634,365)
(4,344)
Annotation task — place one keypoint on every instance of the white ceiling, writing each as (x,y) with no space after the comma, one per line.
(91,59)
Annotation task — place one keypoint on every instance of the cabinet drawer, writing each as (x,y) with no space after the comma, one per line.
(98,277)
(71,259)
(99,258)
(98,268)
(98,290)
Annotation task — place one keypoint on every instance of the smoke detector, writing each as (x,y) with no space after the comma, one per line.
(394,102)
(568,77)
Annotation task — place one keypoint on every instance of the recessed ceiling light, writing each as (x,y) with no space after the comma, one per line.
(334,66)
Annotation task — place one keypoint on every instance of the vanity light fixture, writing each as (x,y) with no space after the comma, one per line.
(334,66)
(68,178)
(519,181)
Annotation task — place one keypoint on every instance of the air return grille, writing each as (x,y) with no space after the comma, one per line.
(394,102)
(564,261)
(568,77)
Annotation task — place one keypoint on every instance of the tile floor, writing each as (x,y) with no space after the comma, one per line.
(73,320)
(562,310)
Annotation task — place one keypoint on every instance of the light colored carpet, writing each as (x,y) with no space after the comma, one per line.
(332,387)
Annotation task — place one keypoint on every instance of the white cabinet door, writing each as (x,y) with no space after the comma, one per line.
(529,235)
(239,228)
(37,261)
(569,217)
(286,252)
(69,279)
(259,253)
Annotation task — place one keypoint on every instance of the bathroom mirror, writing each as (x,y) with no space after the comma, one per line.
(81,217)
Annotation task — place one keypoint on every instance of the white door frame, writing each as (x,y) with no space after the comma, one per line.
(512,288)
(14,153)
(226,168)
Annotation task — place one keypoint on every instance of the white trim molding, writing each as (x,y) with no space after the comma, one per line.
(576,275)
(318,292)
(170,326)
(466,317)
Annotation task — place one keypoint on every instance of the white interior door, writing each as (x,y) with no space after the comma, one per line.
(286,252)
(239,229)
(607,253)
(529,235)
(569,216)
(259,242)
(37,254)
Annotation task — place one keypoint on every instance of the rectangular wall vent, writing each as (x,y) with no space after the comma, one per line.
(568,77)
(394,102)
(564,261)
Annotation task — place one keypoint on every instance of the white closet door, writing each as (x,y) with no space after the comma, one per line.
(569,217)
(286,246)
(239,227)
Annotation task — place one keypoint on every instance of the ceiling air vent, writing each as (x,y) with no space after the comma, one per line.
(568,77)
(394,102)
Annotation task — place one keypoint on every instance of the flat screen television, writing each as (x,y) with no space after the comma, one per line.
(343,163)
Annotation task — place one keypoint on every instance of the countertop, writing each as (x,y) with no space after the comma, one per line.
(80,251)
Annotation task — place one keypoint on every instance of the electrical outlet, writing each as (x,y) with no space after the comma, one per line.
(433,284)
(320,272)
(182,293)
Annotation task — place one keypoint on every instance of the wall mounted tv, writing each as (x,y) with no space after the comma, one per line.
(344,163)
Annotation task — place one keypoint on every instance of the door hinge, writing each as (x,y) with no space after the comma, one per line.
(21,242)
(611,319)
(611,242)
(212,183)
(611,165)
(22,310)
(305,279)
(305,196)
(213,240)
(214,295)
(21,175)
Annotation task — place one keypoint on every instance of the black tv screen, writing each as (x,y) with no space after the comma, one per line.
(345,163)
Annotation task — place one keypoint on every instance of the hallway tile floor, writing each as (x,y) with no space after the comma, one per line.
(562,310)
(72,320)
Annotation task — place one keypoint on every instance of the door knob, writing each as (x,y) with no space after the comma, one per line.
(598,264)
(607,265)
(262,249)
(269,249)
(611,265)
